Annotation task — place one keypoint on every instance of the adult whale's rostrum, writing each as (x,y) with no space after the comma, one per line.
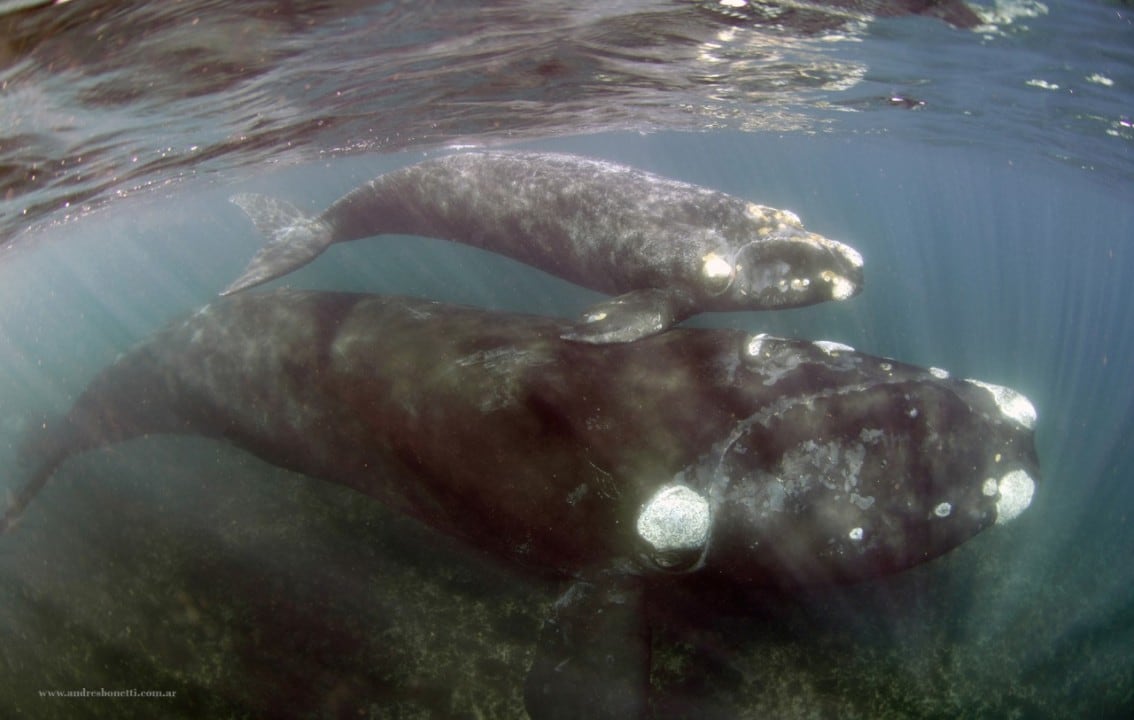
(752,460)
(665,249)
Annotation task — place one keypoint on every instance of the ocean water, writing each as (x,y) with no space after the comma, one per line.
(985,173)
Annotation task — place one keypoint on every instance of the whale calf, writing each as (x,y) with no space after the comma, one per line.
(665,249)
(751,460)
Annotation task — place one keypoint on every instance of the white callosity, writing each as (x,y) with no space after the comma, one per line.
(715,268)
(841,288)
(1011,403)
(832,347)
(676,518)
(1016,489)
(756,344)
(773,219)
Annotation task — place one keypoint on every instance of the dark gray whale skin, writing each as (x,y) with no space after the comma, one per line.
(757,461)
(666,249)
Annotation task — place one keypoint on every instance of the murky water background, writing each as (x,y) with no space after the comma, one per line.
(984,173)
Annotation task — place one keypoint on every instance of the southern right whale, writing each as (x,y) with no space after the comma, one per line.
(666,249)
(746,460)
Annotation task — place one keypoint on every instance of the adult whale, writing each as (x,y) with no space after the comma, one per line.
(750,460)
(666,249)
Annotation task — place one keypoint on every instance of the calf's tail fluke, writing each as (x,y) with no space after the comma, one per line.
(294,239)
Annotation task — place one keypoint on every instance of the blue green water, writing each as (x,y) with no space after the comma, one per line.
(1007,269)
(997,236)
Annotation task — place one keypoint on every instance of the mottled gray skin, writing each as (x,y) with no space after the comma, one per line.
(493,428)
(667,249)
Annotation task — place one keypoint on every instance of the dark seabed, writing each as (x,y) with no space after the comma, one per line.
(985,172)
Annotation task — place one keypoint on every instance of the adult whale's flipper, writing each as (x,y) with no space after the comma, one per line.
(294,239)
(664,250)
(593,655)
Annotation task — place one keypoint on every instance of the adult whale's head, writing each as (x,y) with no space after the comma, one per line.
(771,261)
(862,467)
(820,465)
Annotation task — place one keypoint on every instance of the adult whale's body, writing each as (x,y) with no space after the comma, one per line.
(666,249)
(754,460)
